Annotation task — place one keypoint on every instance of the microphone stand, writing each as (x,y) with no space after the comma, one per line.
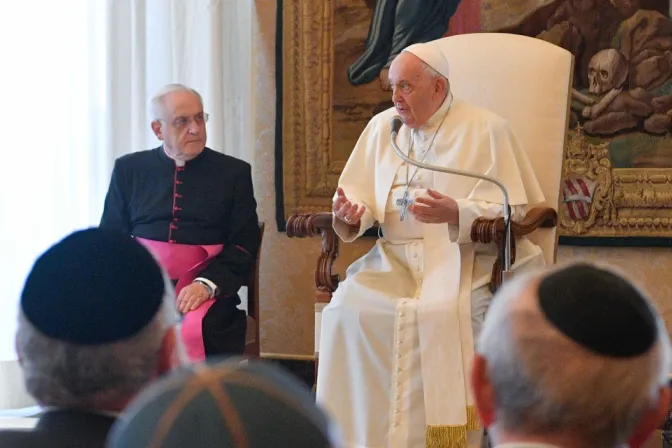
(506,272)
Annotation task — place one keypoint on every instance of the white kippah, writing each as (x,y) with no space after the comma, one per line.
(431,56)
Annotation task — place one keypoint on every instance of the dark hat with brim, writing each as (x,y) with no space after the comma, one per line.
(225,404)
(93,287)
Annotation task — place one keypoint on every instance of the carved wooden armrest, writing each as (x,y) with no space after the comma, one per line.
(484,230)
(304,225)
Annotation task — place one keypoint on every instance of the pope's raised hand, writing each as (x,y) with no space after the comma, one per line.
(345,210)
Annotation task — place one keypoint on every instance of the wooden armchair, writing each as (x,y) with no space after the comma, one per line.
(525,80)
(482,231)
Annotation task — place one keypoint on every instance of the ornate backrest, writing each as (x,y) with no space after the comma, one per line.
(526,81)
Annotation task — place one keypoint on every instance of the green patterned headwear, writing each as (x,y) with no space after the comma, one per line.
(228,404)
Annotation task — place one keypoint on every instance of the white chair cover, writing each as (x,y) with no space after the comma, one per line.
(526,81)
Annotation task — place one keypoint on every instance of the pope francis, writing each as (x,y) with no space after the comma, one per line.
(397,338)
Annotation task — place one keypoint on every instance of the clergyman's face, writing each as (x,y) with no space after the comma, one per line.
(415,92)
(182,127)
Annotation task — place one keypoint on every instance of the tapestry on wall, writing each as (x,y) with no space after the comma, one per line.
(333,57)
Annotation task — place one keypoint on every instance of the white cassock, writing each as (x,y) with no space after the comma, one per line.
(397,338)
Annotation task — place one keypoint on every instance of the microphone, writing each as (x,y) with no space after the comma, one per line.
(396,124)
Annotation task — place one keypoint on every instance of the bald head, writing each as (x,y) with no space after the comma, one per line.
(556,345)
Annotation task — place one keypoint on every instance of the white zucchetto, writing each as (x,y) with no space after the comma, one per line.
(431,56)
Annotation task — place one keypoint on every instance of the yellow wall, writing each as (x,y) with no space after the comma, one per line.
(287,267)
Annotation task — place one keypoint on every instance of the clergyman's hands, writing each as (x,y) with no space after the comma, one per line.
(436,209)
(191,297)
(347,211)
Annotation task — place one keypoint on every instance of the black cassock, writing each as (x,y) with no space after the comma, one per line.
(210,200)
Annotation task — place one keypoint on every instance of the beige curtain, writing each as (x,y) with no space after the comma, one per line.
(75,98)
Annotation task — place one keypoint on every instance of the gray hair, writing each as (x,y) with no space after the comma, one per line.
(63,374)
(436,75)
(432,72)
(545,383)
(156,104)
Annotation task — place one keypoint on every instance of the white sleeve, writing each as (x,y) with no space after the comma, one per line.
(348,233)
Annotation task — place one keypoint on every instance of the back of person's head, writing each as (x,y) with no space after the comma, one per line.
(575,354)
(225,404)
(96,322)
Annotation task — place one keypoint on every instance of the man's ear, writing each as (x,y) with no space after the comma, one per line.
(652,419)
(484,395)
(441,85)
(156,127)
(438,85)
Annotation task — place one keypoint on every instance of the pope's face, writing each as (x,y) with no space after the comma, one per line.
(182,127)
(416,94)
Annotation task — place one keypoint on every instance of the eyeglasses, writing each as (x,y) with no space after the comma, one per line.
(182,122)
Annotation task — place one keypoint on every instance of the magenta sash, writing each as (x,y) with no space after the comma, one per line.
(184,262)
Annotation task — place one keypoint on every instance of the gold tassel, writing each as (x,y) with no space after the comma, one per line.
(444,436)
(473,420)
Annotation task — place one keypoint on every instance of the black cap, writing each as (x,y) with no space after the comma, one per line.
(95,286)
(599,310)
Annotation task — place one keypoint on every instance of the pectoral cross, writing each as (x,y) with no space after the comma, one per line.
(403,203)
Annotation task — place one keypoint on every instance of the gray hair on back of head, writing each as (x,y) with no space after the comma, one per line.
(432,72)
(63,374)
(545,383)
(156,104)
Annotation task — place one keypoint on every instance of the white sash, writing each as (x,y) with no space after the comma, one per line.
(446,339)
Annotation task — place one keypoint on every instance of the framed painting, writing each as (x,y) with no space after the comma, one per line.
(617,177)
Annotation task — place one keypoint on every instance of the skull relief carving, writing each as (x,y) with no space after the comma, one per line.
(607,69)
